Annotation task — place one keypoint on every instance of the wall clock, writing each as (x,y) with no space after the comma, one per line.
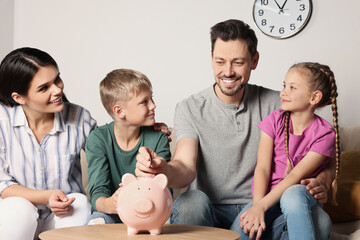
(281,18)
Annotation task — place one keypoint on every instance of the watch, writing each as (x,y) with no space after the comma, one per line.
(281,18)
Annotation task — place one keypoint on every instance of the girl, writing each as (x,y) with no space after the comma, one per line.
(295,144)
(41,135)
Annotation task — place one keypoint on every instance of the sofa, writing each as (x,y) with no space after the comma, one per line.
(346,214)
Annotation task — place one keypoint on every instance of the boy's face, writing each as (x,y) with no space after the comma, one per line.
(140,109)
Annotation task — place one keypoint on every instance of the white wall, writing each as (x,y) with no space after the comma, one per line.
(169,41)
(6,26)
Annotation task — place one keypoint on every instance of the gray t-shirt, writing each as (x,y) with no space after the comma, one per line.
(228,140)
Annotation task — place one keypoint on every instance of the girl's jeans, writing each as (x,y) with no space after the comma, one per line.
(194,207)
(305,218)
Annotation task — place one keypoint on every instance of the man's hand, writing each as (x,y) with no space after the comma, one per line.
(316,188)
(163,128)
(149,163)
(59,203)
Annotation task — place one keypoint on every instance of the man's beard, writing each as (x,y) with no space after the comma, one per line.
(234,92)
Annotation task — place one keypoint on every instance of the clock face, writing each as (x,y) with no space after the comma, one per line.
(281,18)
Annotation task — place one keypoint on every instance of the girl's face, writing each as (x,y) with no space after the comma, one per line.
(296,94)
(45,92)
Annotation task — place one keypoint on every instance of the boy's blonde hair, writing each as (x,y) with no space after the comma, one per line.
(120,85)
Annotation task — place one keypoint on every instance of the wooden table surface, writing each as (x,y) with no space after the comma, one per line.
(119,231)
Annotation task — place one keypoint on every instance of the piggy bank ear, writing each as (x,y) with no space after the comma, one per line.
(161,180)
(127,178)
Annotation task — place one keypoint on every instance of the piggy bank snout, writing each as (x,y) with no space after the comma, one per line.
(144,206)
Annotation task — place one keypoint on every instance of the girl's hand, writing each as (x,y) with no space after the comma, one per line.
(253,221)
(258,231)
(59,203)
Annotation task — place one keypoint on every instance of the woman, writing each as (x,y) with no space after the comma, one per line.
(41,135)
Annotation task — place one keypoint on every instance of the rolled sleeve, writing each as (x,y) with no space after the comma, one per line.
(6,179)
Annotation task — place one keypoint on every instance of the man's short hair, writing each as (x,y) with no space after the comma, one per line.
(234,30)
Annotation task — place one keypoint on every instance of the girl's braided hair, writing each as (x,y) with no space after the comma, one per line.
(320,78)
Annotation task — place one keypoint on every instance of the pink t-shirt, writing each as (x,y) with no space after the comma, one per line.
(318,137)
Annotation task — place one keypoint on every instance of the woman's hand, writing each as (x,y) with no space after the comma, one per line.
(59,203)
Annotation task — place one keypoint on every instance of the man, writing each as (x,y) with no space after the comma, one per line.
(217,141)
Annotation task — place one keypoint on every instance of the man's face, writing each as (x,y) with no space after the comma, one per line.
(232,64)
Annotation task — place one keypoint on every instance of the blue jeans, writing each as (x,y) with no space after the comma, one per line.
(194,207)
(104,218)
(305,218)
(296,204)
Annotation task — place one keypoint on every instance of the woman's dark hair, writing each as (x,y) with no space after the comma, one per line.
(18,69)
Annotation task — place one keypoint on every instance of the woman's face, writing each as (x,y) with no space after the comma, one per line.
(45,92)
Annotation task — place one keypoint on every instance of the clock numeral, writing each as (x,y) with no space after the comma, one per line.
(281,18)
(281,30)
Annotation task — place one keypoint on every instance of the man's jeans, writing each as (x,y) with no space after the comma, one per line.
(194,207)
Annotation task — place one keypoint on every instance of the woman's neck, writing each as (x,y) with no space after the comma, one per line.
(39,123)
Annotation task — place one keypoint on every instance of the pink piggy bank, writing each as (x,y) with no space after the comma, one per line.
(144,203)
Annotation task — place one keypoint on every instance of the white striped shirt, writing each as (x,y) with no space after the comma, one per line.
(52,164)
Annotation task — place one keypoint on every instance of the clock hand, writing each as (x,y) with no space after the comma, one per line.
(266,7)
(283,5)
(277,4)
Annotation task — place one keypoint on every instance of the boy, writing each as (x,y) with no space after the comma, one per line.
(111,149)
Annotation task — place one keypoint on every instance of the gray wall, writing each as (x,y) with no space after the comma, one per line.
(169,42)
